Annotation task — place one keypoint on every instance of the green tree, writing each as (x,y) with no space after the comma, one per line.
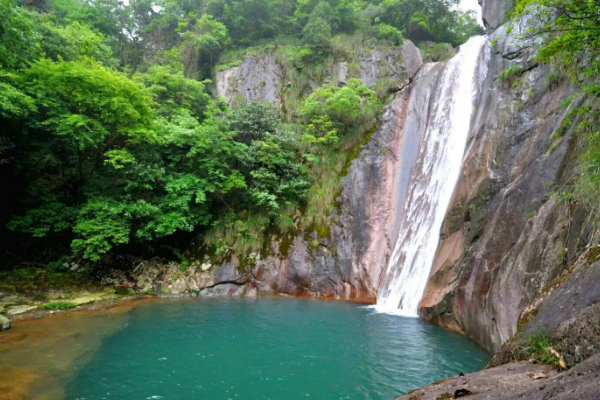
(341,108)
(203,40)
(387,33)
(19,35)
(253,120)
(174,93)
(317,33)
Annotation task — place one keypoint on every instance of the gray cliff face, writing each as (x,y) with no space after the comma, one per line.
(261,77)
(258,78)
(395,65)
(495,12)
(505,237)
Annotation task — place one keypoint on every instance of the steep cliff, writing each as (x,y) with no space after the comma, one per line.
(346,259)
(508,234)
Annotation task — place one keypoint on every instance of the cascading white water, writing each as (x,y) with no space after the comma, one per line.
(432,181)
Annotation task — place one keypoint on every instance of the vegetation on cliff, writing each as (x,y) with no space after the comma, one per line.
(112,141)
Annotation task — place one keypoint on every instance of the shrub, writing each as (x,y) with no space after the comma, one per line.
(317,33)
(388,33)
(346,108)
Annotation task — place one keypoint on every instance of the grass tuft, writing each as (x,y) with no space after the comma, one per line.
(510,75)
(540,348)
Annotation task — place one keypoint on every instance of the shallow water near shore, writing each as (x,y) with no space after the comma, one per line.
(230,348)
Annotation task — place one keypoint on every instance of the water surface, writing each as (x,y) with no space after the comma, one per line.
(285,349)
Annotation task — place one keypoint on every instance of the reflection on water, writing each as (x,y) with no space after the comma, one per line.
(39,357)
(215,349)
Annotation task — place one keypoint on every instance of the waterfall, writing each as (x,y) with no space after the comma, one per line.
(443,126)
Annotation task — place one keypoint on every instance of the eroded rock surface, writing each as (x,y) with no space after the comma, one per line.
(495,12)
(394,66)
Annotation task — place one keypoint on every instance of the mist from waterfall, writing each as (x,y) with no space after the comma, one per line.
(443,130)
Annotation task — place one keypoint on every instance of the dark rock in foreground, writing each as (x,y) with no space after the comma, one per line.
(519,381)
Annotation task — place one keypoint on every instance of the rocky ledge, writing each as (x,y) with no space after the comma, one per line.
(522,380)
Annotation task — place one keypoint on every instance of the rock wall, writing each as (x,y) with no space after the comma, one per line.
(506,237)
(346,264)
(495,12)
(259,77)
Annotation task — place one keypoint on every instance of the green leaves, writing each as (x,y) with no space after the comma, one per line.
(388,33)
(174,93)
(102,223)
(118,158)
(84,96)
(203,37)
(332,108)
(14,104)
(51,217)
(19,36)
(253,120)
(317,33)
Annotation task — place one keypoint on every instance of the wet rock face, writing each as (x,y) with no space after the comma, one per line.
(505,237)
(348,264)
(394,65)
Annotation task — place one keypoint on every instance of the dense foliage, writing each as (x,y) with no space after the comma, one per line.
(111,138)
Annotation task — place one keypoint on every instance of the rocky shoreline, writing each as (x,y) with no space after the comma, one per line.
(148,280)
